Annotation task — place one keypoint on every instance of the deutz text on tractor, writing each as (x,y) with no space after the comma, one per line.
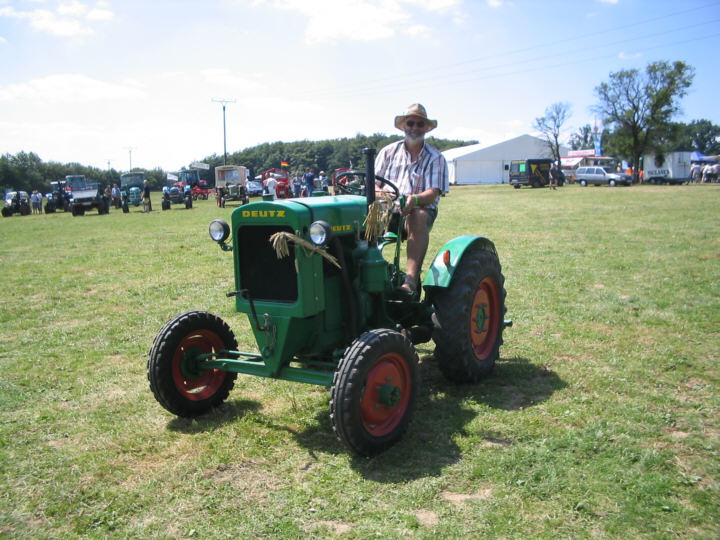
(325,308)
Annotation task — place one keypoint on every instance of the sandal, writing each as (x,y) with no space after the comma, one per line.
(408,288)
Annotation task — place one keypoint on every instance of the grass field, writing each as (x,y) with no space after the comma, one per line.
(600,420)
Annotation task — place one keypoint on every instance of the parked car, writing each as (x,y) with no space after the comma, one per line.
(254,188)
(601,176)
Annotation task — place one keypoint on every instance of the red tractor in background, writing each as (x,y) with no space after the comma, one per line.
(282,182)
(201,190)
(345,177)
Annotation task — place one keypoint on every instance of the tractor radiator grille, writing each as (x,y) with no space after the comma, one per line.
(261,272)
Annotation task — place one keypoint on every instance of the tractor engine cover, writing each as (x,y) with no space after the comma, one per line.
(293,285)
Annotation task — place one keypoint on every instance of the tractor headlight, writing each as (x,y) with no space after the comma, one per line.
(219,230)
(320,232)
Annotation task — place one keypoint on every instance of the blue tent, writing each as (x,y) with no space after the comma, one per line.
(697,156)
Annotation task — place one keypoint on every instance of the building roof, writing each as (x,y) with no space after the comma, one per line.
(515,148)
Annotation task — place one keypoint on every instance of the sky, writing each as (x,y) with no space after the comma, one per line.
(112,83)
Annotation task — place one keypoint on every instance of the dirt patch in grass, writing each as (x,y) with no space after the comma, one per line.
(427,518)
(249,475)
(338,527)
(458,499)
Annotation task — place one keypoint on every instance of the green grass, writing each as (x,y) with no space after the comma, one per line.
(600,419)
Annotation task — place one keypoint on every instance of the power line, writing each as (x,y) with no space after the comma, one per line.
(385,83)
(431,82)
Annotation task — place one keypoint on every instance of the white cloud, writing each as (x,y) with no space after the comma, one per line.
(68,88)
(628,56)
(433,5)
(72,9)
(2,40)
(68,20)
(359,20)
(608,1)
(226,78)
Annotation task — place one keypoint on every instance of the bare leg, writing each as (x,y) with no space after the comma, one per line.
(418,239)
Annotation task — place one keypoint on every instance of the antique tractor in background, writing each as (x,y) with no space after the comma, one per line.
(16,202)
(86,195)
(58,198)
(231,184)
(325,308)
(176,193)
(131,185)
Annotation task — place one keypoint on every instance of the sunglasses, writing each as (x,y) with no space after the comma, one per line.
(413,123)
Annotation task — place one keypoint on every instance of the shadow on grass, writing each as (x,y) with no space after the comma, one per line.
(443,413)
(228,412)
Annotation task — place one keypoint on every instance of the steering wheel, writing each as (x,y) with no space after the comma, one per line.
(350,189)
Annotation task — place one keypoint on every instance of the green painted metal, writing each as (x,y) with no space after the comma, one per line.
(389,395)
(260,369)
(440,274)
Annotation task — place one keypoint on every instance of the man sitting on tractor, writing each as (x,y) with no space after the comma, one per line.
(421,174)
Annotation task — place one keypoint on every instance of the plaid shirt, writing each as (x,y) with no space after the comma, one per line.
(430,170)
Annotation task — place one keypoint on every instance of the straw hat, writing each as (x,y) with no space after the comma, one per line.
(415,110)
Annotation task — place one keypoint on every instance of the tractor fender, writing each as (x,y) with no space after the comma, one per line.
(440,273)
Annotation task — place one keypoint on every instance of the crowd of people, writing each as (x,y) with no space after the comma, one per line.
(703,173)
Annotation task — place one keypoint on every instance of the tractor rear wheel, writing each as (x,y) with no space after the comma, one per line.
(374,392)
(176,380)
(470,318)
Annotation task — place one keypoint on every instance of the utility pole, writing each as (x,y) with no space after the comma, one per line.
(224,102)
(130,149)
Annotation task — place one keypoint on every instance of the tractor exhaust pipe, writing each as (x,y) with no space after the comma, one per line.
(369,175)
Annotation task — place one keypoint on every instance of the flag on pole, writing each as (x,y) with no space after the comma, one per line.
(284,163)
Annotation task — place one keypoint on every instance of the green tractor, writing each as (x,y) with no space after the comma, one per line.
(325,309)
(131,185)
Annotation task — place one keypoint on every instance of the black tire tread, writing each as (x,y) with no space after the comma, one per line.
(159,364)
(453,350)
(349,377)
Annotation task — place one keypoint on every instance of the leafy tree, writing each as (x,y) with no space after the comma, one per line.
(582,139)
(550,125)
(700,135)
(639,105)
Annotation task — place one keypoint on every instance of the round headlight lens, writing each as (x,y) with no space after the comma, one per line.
(219,230)
(320,232)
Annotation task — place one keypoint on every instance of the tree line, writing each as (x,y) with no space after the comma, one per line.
(26,171)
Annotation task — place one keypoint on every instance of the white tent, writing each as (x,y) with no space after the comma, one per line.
(489,165)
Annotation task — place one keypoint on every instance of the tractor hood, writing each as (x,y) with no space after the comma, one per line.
(344,213)
(291,285)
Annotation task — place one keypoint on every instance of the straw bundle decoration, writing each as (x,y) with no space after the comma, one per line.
(280,241)
(378,217)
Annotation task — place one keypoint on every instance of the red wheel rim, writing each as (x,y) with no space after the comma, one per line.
(484,318)
(205,383)
(386,395)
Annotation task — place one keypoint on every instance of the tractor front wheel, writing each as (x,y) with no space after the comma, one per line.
(374,392)
(176,379)
(470,318)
